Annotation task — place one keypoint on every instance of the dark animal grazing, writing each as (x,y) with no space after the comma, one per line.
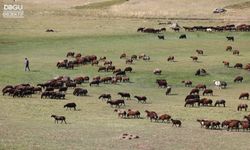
(57,118)
(206,102)
(176,123)
(220,102)
(161,37)
(105,96)
(102,69)
(129,61)
(134,57)
(80,92)
(164,117)
(245,125)
(229,48)
(95,82)
(128,69)
(71,84)
(208,92)
(162,83)
(242,106)
(194,91)
(95,62)
(132,113)
(201,86)
(183,36)
(63,89)
(209,123)
(70,105)
(238,79)
(192,102)
(49,30)
(70,54)
(117,70)
(123,56)
(125,79)
(201,72)
(141,99)
(124,95)
(192,97)
(236,52)
(117,103)
(121,73)
(108,62)
(244,95)
(187,83)
(140,29)
(230,38)
(226,63)
(110,68)
(170,58)
(199,52)
(233,125)
(225,123)
(238,66)
(195,58)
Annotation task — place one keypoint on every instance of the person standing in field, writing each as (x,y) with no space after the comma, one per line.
(27,64)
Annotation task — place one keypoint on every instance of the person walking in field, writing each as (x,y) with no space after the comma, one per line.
(27,64)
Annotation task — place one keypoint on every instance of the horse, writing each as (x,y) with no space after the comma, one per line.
(220,84)
(208,92)
(229,48)
(206,102)
(57,118)
(135,114)
(226,63)
(141,99)
(128,69)
(70,105)
(117,103)
(105,96)
(161,37)
(176,123)
(95,82)
(244,95)
(124,95)
(183,36)
(121,113)
(187,83)
(164,117)
(192,97)
(151,115)
(199,52)
(242,106)
(194,91)
(80,92)
(238,65)
(195,58)
(236,52)
(201,86)
(238,79)
(230,38)
(157,71)
(220,102)
(170,58)
(162,83)
(192,102)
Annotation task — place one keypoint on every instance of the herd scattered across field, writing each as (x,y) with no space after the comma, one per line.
(57,88)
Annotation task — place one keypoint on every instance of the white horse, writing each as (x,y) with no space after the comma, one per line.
(220,84)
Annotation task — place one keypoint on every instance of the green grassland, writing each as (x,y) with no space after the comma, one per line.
(25,123)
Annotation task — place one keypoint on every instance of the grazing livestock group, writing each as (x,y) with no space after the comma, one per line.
(59,87)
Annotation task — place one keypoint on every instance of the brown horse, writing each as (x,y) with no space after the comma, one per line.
(244,95)
(242,106)
(187,83)
(57,118)
(238,79)
(208,92)
(195,58)
(164,117)
(176,123)
(199,52)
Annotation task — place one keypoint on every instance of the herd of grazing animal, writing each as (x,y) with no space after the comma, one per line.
(57,88)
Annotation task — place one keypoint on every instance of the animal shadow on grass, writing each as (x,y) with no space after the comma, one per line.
(172,94)
(34,70)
